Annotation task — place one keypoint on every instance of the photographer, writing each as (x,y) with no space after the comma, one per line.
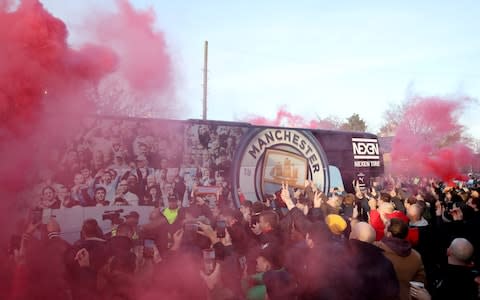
(114,217)
(121,241)
(132,220)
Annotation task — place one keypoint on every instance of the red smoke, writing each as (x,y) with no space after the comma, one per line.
(36,60)
(288,119)
(145,62)
(428,140)
(43,81)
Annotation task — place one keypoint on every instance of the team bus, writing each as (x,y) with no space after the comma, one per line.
(134,164)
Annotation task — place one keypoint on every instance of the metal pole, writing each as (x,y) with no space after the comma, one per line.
(205,70)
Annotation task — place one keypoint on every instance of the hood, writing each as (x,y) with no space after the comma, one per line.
(399,246)
(420,223)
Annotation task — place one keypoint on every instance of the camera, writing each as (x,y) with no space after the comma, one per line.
(113,216)
(190,227)
(220,228)
(148,248)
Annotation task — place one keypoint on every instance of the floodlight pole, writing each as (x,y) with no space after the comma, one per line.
(205,72)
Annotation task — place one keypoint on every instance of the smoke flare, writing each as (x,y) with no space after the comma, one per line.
(47,86)
(428,140)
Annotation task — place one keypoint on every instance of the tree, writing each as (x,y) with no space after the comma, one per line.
(330,123)
(428,137)
(113,96)
(392,118)
(354,123)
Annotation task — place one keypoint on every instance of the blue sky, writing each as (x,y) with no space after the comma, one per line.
(314,57)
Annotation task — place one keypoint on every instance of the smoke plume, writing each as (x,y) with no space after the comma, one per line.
(428,139)
(46,85)
(288,119)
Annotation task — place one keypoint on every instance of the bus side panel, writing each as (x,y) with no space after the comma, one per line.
(353,164)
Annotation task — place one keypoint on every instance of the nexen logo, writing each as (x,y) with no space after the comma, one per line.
(365,148)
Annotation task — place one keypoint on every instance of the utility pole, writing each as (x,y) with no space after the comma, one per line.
(205,72)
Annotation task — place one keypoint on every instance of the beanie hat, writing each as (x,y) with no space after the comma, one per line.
(336,223)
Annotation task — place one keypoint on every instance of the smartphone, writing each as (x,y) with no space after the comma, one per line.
(190,227)
(209,261)
(243,262)
(148,248)
(220,228)
(417,284)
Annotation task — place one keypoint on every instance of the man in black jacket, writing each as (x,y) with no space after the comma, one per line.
(370,265)
(86,257)
(458,277)
(318,263)
(121,242)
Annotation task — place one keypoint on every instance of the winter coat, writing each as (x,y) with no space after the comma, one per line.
(456,282)
(119,244)
(377,224)
(406,261)
(425,244)
(370,265)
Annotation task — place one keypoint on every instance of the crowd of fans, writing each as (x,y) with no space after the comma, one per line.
(397,239)
(115,162)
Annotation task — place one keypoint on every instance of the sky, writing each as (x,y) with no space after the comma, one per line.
(316,58)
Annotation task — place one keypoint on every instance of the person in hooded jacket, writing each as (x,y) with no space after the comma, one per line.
(406,261)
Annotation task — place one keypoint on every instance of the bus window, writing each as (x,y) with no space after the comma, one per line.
(336,178)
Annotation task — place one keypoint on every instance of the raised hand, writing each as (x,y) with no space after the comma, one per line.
(227,240)
(307,183)
(438,208)
(356,185)
(355,212)
(317,199)
(457,214)
(177,239)
(207,230)
(373,191)
(213,279)
(256,229)
(83,258)
(32,227)
(393,193)
(285,194)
